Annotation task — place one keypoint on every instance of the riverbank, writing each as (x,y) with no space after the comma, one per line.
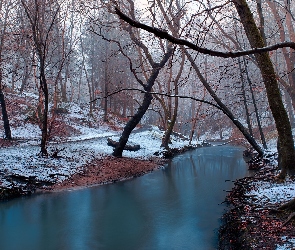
(100,170)
(108,170)
(254,221)
(77,140)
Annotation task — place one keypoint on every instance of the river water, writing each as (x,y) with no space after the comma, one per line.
(178,207)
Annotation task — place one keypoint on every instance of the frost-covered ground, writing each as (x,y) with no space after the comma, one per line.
(74,151)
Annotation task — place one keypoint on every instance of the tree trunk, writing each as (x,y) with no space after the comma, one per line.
(290,109)
(44,87)
(245,100)
(169,130)
(280,115)
(5,116)
(25,77)
(132,124)
(86,75)
(2,99)
(255,108)
(106,79)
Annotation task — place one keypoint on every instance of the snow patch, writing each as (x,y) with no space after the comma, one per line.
(290,244)
(273,193)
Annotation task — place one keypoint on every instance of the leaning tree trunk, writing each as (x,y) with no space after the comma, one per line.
(131,124)
(265,65)
(245,100)
(223,107)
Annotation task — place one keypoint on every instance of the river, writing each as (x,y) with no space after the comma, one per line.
(178,207)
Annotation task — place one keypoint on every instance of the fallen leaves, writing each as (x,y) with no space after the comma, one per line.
(251,224)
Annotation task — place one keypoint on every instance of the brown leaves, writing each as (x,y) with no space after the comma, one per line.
(110,169)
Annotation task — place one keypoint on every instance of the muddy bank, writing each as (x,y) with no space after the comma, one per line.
(99,171)
(108,170)
(102,170)
(252,225)
(111,169)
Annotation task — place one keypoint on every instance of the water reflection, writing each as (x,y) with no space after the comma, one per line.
(174,208)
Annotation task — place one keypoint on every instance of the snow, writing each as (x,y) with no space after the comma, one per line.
(91,133)
(74,152)
(290,244)
(266,193)
(30,131)
(273,193)
(150,142)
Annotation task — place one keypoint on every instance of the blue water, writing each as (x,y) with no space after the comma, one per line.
(174,208)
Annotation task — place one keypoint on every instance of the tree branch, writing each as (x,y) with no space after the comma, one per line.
(157,93)
(165,35)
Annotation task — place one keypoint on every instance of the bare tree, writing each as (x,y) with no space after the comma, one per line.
(6,7)
(41,24)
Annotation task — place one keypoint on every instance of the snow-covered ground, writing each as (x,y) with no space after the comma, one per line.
(73,151)
(267,193)
(273,193)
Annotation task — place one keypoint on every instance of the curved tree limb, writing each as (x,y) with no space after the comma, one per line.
(162,94)
(165,35)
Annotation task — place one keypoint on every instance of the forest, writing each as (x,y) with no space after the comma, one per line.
(89,85)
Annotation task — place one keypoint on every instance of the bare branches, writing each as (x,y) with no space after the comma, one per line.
(162,94)
(123,53)
(165,35)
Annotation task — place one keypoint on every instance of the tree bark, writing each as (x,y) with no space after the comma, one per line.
(44,87)
(265,65)
(2,99)
(132,124)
